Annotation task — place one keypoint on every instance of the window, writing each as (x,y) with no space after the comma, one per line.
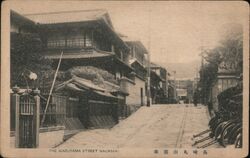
(54,42)
(75,42)
(118,75)
(74,39)
(88,42)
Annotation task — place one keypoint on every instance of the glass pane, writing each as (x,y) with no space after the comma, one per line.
(75,42)
(55,42)
(88,41)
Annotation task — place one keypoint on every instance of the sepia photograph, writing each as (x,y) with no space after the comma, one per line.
(124,78)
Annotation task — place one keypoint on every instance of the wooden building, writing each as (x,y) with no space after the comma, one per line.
(159,84)
(184,88)
(53,127)
(227,77)
(137,88)
(87,38)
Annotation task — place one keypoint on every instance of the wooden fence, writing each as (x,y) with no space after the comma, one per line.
(26,111)
(56,112)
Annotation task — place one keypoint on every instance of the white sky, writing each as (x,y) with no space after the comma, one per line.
(177,30)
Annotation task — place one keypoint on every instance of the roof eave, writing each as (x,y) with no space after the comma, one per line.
(116,36)
(72,23)
(18,17)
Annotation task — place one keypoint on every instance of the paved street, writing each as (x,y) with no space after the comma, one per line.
(169,126)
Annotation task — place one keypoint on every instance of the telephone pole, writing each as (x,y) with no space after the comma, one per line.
(203,86)
(175,91)
(148,70)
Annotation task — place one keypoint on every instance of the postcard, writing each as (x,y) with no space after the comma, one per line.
(124,79)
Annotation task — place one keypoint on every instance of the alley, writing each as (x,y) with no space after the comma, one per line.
(169,126)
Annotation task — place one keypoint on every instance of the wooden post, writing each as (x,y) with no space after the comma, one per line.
(92,38)
(112,48)
(36,117)
(142,97)
(87,110)
(15,100)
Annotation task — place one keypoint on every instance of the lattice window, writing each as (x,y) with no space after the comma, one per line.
(54,42)
(75,42)
(88,41)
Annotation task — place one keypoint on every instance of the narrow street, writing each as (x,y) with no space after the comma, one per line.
(162,126)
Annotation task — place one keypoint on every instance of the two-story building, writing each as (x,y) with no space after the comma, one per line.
(23,29)
(94,59)
(136,88)
(86,38)
(159,84)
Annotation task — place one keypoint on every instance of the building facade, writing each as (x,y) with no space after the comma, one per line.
(226,78)
(137,91)
(94,71)
(159,85)
(24,28)
(184,88)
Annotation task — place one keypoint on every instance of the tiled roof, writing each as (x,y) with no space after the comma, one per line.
(132,61)
(155,74)
(131,41)
(153,65)
(67,16)
(81,85)
(20,19)
(126,38)
(80,16)
(156,66)
(86,84)
(138,44)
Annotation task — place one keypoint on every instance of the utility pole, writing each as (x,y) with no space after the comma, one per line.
(148,82)
(148,70)
(202,75)
(175,96)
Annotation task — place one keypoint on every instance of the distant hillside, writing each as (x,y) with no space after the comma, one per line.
(183,70)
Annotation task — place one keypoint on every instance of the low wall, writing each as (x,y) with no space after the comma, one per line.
(133,108)
(50,139)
